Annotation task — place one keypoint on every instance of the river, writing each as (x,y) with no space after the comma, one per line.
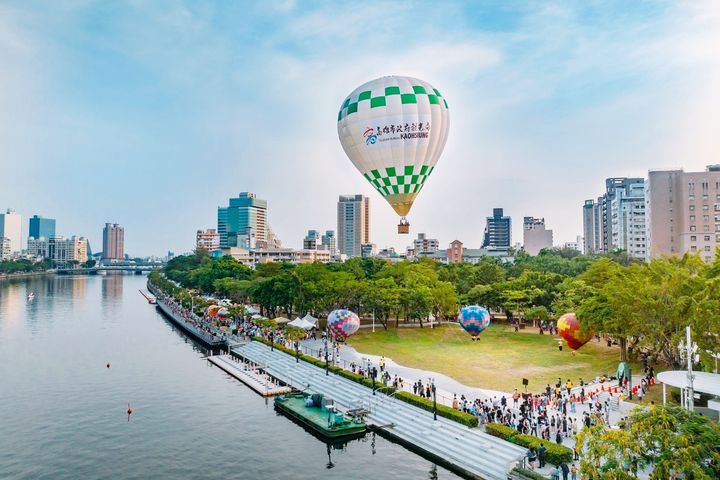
(63,412)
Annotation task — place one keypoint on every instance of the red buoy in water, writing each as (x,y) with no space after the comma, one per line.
(129,411)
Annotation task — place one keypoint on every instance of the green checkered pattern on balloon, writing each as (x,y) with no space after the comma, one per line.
(408,179)
(350,105)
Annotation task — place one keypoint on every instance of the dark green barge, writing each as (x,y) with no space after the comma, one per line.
(319,414)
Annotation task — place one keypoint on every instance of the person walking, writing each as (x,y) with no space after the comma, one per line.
(573,472)
(565,470)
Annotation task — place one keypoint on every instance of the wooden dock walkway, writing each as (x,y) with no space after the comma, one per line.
(249,375)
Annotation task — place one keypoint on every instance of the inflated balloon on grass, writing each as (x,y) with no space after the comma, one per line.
(474,319)
(342,323)
(569,329)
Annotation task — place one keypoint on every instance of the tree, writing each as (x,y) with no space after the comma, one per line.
(673,442)
(382,297)
(537,314)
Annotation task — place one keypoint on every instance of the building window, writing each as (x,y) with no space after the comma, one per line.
(692,218)
(692,228)
(707,238)
(707,248)
(706,207)
(705,197)
(693,248)
(706,228)
(692,208)
(693,238)
(692,198)
(717,238)
(706,218)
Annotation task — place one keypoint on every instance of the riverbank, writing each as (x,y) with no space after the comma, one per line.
(12,276)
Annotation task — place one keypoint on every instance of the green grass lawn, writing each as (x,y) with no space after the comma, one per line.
(499,360)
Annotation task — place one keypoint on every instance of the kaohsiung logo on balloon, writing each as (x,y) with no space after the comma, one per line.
(396,131)
(370,136)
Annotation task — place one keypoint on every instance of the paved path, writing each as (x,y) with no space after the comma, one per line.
(470,450)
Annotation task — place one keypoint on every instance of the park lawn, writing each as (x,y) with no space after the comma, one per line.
(498,361)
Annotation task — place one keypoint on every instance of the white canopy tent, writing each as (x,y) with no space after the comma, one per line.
(250,310)
(281,320)
(310,319)
(257,316)
(703,382)
(301,323)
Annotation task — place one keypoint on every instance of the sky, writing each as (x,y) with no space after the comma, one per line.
(153,114)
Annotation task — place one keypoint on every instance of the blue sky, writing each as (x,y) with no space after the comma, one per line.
(151,114)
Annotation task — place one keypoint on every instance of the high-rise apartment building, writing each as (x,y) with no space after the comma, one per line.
(353,224)
(683,212)
(66,252)
(113,242)
(40,227)
(312,240)
(592,227)
(243,222)
(535,235)
(498,230)
(329,242)
(207,239)
(423,245)
(11,228)
(617,220)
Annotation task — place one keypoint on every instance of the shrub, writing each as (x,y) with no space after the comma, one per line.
(528,474)
(555,454)
(500,430)
(442,410)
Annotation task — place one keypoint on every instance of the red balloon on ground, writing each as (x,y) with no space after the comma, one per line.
(569,329)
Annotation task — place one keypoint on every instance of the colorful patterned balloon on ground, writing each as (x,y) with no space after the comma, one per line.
(213,310)
(474,319)
(342,323)
(569,328)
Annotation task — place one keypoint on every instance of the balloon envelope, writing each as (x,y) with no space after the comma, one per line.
(342,323)
(213,310)
(569,329)
(474,319)
(394,129)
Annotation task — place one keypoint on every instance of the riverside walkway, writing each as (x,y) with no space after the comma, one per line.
(470,451)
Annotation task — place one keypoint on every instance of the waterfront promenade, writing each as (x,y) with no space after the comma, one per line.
(470,451)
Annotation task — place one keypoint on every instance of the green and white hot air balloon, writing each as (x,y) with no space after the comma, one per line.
(394,129)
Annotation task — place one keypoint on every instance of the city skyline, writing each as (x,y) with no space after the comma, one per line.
(159,122)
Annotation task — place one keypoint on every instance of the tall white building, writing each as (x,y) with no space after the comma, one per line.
(535,235)
(617,220)
(11,228)
(353,224)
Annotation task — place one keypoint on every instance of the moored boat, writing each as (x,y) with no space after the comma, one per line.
(319,414)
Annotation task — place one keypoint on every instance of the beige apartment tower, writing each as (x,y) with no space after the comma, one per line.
(353,224)
(683,212)
(113,242)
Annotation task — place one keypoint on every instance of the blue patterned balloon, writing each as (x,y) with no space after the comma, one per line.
(474,319)
(342,323)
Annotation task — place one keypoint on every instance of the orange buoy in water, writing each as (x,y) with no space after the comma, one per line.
(129,411)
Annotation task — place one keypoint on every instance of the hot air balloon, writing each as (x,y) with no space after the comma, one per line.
(569,328)
(212,310)
(342,323)
(474,320)
(394,129)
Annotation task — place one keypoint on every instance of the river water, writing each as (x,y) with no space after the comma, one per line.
(63,412)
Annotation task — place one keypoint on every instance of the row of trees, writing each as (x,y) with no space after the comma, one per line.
(644,306)
(22,265)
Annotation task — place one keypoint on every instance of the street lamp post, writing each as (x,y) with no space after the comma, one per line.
(688,350)
(373,374)
(272,340)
